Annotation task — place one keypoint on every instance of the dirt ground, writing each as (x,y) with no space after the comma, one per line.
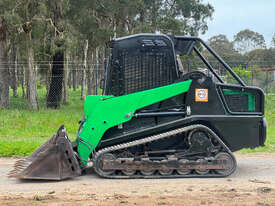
(253,183)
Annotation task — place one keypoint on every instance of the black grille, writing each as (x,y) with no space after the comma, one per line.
(141,63)
(237,102)
(145,71)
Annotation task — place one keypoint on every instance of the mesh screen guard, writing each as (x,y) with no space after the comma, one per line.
(141,62)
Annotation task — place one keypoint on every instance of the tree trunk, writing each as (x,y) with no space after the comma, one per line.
(4,72)
(101,70)
(22,74)
(70,75)
(13,70)
(48,77)
(91,70)
(32,89)
(154,17)
(97,67)
(55,92)
(66,77)
(83,88)
(74,76)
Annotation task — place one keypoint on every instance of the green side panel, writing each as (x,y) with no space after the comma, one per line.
(251,97)
(103,112)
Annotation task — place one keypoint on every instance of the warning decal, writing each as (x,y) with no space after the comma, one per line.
(201,95)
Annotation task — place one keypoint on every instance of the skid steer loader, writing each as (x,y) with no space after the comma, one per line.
(155,119)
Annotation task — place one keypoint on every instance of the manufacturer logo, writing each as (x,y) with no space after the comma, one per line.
(201,95)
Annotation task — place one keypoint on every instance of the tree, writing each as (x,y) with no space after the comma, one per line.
(184,16)
(256,57)
(221,44)
(224,48)
(22,19)
(38,30)
(247,40)
(84,79)
(56,9)
(5,19)
(4,72)
(172,16)
(13,69)
(272,45)
(32,87)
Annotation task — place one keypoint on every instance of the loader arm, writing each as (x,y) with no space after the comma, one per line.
(104,112)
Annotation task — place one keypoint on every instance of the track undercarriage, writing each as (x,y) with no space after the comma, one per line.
(202,154)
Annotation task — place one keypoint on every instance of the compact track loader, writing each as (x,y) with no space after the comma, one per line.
(156,120)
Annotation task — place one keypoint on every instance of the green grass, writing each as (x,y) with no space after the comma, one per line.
(23,131)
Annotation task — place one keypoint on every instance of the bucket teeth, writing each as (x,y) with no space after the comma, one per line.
(20,161)
(19,167)
(14,173)
(20,164)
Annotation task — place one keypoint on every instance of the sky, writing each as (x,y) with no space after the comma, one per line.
(232,16)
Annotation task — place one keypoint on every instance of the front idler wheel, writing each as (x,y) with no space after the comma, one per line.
(100,164)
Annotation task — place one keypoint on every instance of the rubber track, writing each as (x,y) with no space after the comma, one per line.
(155,138)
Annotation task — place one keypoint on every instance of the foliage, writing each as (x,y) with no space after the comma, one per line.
(272,44)
(100,20)
(242,73)
(224,48)
(247,40)
(188,16)
(221,44)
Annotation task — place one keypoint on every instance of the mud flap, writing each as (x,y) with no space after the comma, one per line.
(54,160)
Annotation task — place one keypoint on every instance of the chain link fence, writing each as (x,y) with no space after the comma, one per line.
(77,82)
(253,75)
